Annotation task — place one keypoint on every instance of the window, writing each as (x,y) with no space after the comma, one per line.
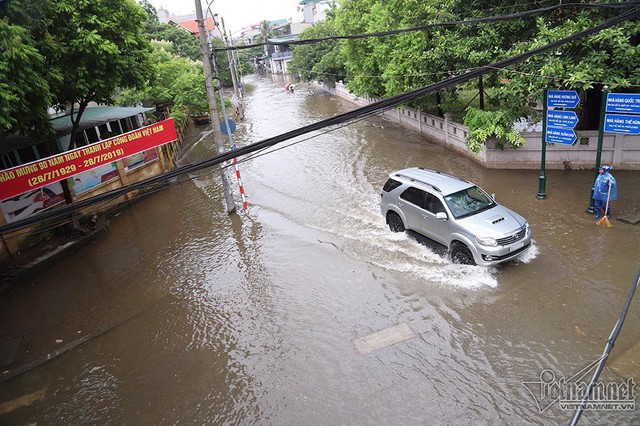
(26,155)
(414,196)
(8,161)
(391,185)
(115,127)
(434,205)
(124,125)
(468,202)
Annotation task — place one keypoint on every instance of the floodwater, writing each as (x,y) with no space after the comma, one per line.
(189,316)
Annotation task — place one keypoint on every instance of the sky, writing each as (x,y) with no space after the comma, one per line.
(237,14)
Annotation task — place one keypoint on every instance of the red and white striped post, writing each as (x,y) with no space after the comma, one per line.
(244,198)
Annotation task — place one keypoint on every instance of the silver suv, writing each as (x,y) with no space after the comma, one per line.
(454,212)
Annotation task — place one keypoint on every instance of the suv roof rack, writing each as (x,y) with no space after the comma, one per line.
(444,174)
(410,179)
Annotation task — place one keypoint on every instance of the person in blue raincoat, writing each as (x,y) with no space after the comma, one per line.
(601,189)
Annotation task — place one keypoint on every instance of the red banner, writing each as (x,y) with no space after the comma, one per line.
(39,173)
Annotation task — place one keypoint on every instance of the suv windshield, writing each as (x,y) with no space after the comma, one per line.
(468,202)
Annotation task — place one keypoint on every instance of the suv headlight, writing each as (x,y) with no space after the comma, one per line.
(487,241)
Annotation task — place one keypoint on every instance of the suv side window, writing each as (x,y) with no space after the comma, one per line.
(434,205)
(414,196)
(391,185)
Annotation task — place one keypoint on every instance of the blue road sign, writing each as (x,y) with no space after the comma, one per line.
(225,129)
(560,135)
(623,102)
(564,119)
(562,99)
(622,123)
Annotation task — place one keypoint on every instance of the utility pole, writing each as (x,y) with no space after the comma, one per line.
(213,108)
(231,64)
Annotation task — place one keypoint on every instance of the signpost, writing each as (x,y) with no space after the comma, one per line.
(560,135)
(564,119)
(621,119)
(560,125)
(557,126)
(563,99)
(622,123)
(227,126)
(623,102)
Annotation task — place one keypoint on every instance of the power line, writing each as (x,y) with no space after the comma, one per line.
(365,111)
(607,350)
(518,15)
(163,185)
(533,75)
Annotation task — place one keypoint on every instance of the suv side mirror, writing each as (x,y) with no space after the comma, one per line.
(441,216)
(493,196)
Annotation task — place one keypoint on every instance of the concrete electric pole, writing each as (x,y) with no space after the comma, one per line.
(213,108)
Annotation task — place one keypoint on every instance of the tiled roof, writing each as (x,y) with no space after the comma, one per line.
(192,25)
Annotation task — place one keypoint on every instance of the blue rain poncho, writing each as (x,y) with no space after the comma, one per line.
(601,187)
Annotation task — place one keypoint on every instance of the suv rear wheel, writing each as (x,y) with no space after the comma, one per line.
(461,254)
(395,222)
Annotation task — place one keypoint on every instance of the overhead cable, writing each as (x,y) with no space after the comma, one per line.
(607,350)
(518,15)
(367,110)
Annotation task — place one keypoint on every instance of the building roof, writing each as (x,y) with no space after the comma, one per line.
(192,24)
(284,38)
(95,116)
(92,117)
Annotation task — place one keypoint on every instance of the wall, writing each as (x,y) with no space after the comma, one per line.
(621,151)
(17,243)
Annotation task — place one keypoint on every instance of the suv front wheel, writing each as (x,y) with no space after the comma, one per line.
(395,222)
(461,254)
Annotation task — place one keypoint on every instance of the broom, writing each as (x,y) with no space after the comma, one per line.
(604,222)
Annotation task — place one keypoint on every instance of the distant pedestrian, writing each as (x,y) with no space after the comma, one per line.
(604,187)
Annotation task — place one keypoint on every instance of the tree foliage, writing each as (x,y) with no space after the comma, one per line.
(100,47)
(176,81)
(385,66)
(609,56)
(25,93)
(491,124)
(71,52)
(321,61)
(182,42)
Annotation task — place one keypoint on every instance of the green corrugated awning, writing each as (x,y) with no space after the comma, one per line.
(95,116)
(92,117)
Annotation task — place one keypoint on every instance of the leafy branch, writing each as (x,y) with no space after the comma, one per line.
(484,125)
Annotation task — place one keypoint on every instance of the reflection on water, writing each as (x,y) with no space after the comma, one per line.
(251,318)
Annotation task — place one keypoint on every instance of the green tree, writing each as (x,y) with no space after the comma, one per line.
(24,91)
(222,62)
(98,47)
(177,85)
(610,56)
(384,66)
(25,78)
(321,61)
(183,43)
(266,30)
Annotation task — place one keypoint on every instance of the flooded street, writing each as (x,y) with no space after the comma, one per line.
(189,316)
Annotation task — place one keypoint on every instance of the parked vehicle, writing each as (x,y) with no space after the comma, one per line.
(456,213)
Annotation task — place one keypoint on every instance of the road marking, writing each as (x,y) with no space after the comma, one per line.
(383,338)
(23,401)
